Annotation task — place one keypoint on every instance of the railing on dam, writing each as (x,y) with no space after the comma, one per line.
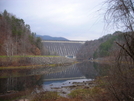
(63,48)
(56,41)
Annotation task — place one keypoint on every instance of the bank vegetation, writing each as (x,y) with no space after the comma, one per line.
(118,84)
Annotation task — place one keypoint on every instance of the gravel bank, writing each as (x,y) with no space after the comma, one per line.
(49,60)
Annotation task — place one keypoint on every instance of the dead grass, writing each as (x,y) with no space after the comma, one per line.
(13,96)
(93,94)
(52,96)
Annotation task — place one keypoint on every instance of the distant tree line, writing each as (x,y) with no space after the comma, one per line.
(102,47)
(16,37)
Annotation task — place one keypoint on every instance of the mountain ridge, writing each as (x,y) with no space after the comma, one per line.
(47,37)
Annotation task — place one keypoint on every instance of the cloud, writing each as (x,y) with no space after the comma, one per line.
(73,19)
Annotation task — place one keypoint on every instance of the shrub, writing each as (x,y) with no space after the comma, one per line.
(45,96)
(95,93)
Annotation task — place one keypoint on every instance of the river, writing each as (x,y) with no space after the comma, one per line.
(50,78)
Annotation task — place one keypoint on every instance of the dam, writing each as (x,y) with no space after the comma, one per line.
(63,48)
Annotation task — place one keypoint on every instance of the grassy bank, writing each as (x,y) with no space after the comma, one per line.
(32,66)
(15,56)
(30,61)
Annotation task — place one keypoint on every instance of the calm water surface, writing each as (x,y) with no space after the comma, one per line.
(51,78)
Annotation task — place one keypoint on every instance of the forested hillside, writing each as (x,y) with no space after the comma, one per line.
(16,37)
(102,47)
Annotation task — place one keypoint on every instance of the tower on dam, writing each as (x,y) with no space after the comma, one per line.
(63,48)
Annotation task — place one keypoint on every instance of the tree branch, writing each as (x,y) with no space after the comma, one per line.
(122,46)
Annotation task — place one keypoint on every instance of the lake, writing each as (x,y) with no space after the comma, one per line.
(50,78)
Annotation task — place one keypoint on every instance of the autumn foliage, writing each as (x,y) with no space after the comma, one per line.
(16,37)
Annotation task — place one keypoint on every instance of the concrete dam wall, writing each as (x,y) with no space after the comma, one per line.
(63,48)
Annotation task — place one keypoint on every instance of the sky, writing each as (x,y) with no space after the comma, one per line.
(71,19)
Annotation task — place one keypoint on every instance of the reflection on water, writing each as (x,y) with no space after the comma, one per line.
(81,73)
(79,70)
(12,80)
(17,83)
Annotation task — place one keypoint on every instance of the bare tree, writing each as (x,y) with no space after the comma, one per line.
(9,47)
(120,84)
(120,13)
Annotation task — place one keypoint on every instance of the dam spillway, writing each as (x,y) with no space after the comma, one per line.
(63,48)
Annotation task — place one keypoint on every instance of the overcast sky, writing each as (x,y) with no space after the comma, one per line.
(72,19)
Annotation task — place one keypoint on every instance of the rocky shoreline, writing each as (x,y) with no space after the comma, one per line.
(66,87)
(49,60)
(22,62)
(64,90)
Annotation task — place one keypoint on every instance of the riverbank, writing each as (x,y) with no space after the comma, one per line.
(28,66)
(104,60)
(14,71)
(77,90)
(22,62)
(64,87)
(67,91)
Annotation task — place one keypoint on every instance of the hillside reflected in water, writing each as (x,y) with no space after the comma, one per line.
(89,70)
(83,70)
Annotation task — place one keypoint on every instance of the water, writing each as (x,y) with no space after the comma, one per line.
(51,78)
(79,70)
(64,87)
(67,79)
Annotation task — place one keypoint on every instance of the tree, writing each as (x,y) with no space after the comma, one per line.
(9,47)
(120,14)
